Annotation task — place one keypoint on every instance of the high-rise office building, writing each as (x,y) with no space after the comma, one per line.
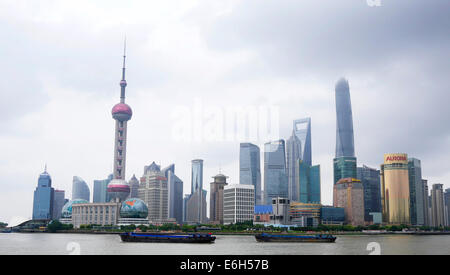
(307,182)
(185,202)
(196,203)
(238,203)
(447,204)
(153,191)
(417,207)
(80,189)
(43,198)
(58,203)
(175,186)
(302,130)
(344,163)
(250,168)
(216,199)
(349,194)
(370,179)
(197,175)
(134,187)
(275,178)
(344,167)
(118,188)
(437,205)
(293,156)
(298,147)
(395,195)
(426,203)
(344,121)
(196,207)
(101,190)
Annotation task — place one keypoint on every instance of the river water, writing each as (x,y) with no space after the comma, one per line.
(85,244)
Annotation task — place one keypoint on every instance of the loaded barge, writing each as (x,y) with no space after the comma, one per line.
(166,238)
(295,238)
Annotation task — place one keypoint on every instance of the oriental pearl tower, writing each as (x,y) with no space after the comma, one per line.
(118,188)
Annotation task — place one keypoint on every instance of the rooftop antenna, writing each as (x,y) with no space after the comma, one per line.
(123,82)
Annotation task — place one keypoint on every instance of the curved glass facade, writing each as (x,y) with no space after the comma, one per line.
(80,189)
(395,189)
(344,121)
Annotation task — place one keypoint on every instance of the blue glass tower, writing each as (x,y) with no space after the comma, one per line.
(101,190)
(308,178)
(345,160)
(370,178)
(250,168)
(293,155)
(344,121)
(417,208)
(302,130)
(43,198)
(197,175)
(275,178)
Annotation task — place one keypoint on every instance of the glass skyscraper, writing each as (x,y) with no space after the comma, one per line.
(101,190)
(275,178)
(58,203)
(447,204)
(344,121)
(80,189)
(344,167)
(293,155)
(345,160)
(302,130)
(250,168)
(197,175)
(417,208)
(43,198)
(308,182)
(175,189)
(370,178)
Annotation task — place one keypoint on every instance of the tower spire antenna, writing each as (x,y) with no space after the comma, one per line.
(124,56)
(123,82)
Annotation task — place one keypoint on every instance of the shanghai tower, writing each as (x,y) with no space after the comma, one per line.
(118,188)
(345,160)
(344,121)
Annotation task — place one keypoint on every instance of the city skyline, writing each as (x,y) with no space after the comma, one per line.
(39,128)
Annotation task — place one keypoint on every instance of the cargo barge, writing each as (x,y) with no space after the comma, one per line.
(295,238)
(167,238)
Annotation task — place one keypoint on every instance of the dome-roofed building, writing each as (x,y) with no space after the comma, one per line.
(133,211)
(67,209)
(133,208)
(66,212)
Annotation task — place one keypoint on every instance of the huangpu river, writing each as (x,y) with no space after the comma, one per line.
(87,244)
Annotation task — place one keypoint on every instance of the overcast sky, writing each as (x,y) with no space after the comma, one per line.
(188,62)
